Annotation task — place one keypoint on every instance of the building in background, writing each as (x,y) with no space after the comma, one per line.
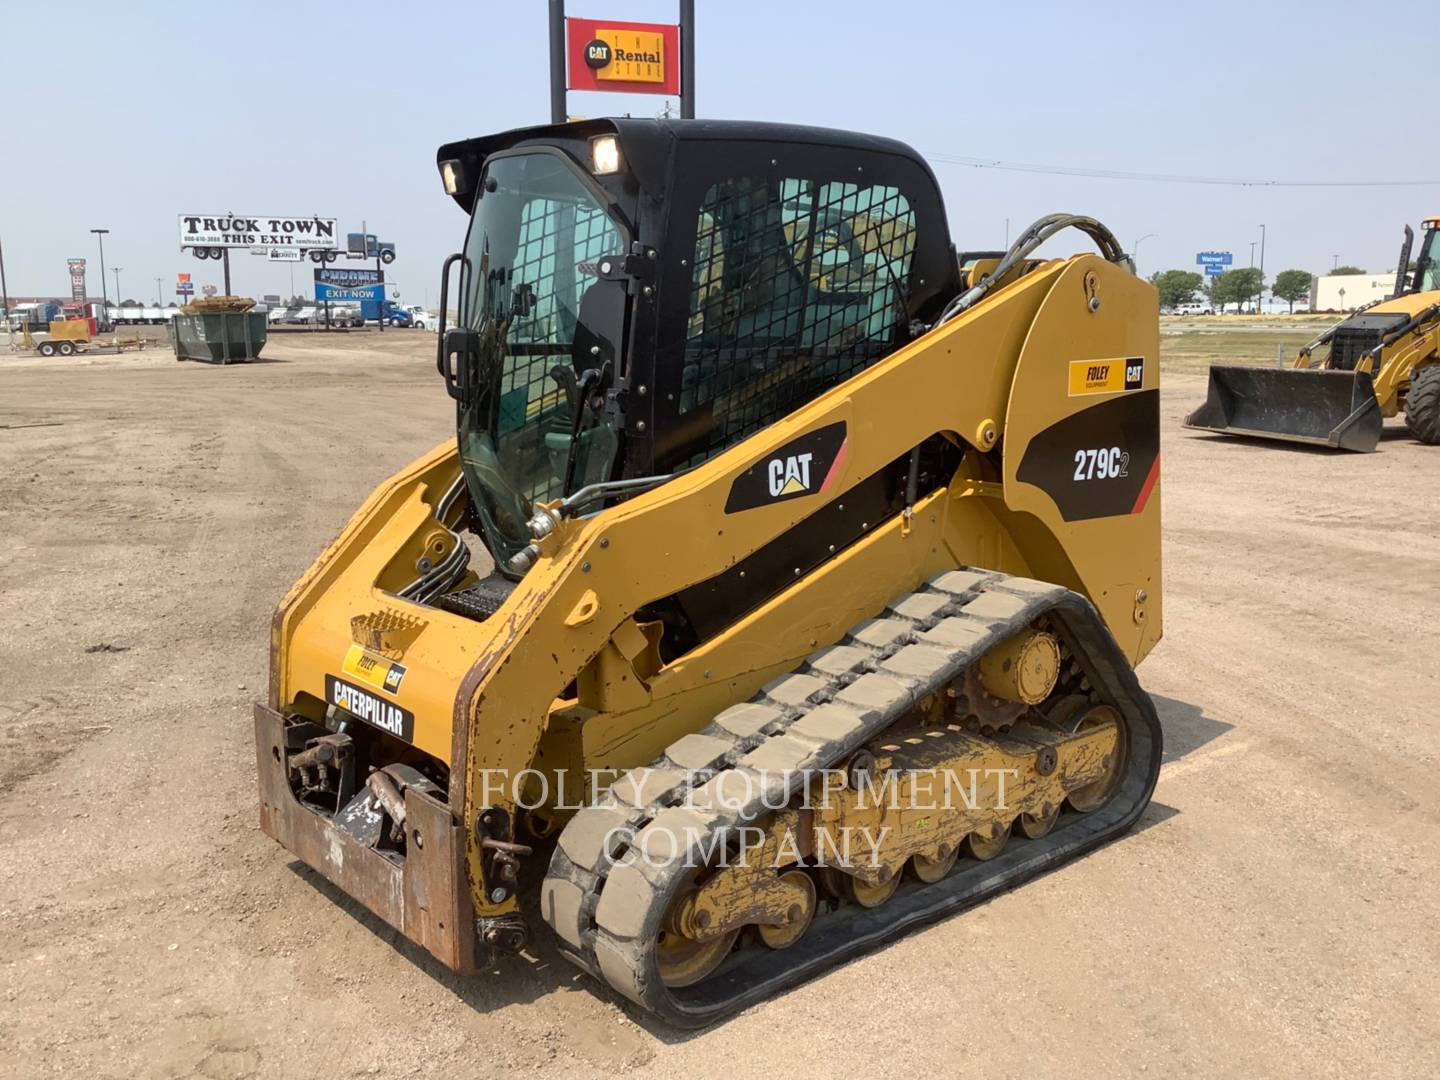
(1346,292)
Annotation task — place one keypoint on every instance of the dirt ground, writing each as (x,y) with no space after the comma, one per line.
(1275,914)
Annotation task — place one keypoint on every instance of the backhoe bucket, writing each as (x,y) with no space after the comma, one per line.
(1318,407)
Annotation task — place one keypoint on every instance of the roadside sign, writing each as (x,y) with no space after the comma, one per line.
(1214,258)
(347,293)
(623,57)
(1214,269)
(257,231)
(77,279)
(285,254)
(347,279)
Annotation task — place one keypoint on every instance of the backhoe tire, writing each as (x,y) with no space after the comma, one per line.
(1422,404)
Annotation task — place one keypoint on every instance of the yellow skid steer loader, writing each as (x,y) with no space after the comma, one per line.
(780,592)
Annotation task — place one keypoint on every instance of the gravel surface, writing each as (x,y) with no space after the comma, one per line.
(1274,914)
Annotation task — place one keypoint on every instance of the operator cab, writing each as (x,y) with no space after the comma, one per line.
(636,296)
(1426,275)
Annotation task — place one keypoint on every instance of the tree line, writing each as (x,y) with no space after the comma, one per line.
(1239,287)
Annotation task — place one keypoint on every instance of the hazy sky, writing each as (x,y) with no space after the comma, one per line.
(125,115)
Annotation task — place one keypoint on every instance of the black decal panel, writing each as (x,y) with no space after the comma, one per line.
(803,466)
(1101,461)
(375,711)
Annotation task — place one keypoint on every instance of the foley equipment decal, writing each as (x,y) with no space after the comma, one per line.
(377,671)
(1106,376)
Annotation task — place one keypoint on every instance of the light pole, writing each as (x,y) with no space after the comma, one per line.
(100,235)
(1135,251)
(159,296)
(4,297)
(1262,269)
(1334,261)
(116,271)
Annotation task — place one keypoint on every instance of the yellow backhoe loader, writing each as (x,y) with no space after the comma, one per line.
(781,591)
(1383,359)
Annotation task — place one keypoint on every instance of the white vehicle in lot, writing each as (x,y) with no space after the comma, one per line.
(421,319)
(136,315)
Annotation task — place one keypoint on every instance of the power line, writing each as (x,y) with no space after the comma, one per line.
(1161,178)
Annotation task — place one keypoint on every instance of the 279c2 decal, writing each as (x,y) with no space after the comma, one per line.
(1101,461)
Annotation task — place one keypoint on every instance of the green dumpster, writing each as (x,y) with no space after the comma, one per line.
(219,336)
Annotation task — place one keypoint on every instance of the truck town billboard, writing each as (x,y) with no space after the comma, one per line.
(257,231)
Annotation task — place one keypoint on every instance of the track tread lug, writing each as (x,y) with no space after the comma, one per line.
(995,606)
(876,694)
(957,632)
(696,752)
(882,633)
(921,663)
(921,607)
(748,718)
(583,838)
(960,582)
(562,905)
(838,661)
(647,785)
(834,722)
(782,754)
(795,690)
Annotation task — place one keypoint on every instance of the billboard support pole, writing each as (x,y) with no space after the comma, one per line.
(558,112)
(687,59)
(5,298)
(227,270)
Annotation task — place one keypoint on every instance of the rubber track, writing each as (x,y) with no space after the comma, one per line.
(608,913)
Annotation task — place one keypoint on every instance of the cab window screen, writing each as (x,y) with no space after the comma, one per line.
(796,285)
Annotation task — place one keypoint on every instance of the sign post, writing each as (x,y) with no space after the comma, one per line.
(4,298)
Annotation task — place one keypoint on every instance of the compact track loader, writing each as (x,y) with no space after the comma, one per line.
(1382,359)
(781,591)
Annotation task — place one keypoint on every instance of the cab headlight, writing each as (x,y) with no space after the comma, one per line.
(451,175)
(605,155)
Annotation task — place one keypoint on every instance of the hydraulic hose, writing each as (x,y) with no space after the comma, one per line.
(1027,242)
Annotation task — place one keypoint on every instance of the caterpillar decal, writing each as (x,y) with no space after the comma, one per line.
(804,466)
